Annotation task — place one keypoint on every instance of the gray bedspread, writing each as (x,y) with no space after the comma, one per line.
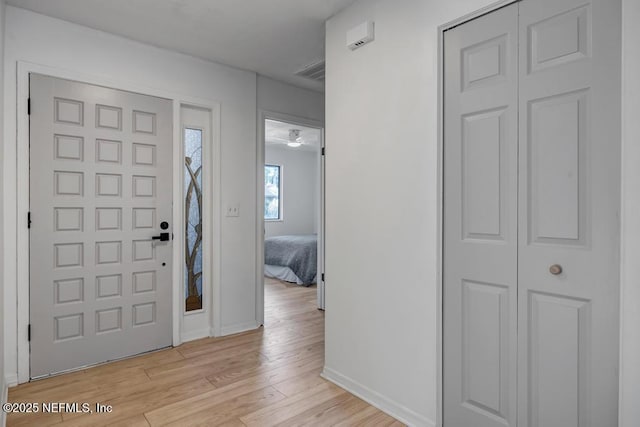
(299,253)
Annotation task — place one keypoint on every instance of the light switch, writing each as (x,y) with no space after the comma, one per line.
(233,210)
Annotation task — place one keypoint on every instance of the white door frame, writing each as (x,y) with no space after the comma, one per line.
(209,316)
(22,203)
(296,120)
(627,222)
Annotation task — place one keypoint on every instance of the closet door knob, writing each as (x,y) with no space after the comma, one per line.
(555,269)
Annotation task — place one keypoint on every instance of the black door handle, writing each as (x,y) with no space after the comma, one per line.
(163,237)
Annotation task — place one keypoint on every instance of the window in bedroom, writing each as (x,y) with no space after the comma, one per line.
(272,193)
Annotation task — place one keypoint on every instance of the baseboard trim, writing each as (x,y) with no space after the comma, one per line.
(5,396)
(238,327)
(11,380)
(386,405)
(225,330)
(194,335)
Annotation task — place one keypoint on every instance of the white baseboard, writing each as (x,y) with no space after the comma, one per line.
(238,327)
(11,380)
(386,405)
(225,330)
(5,395)
(194,335)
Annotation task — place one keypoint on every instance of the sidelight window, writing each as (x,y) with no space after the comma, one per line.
(193,218)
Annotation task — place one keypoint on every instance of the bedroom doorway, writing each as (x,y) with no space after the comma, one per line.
(291,204)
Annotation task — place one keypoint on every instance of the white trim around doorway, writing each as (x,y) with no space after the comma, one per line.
(288,118)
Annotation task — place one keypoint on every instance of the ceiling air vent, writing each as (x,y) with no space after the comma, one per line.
(313,71)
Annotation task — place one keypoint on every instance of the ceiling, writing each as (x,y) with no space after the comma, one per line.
(275,38)
(276,134)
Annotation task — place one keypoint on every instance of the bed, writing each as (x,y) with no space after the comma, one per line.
(291,258)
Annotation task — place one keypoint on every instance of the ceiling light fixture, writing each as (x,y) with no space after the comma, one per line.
(295,140)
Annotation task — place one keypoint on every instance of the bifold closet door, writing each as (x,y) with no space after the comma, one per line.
(569,205)
(531,214)
(480,221)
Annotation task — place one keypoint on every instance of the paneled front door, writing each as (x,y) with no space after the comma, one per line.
(100,199)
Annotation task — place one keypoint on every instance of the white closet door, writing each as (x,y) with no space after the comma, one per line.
(569,192)
(480,221)
(101,184)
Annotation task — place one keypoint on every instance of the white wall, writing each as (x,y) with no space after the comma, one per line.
(300,192)
(630,273)
(42,40)
(382,159)
(278,97)
(382,105)
(2,369)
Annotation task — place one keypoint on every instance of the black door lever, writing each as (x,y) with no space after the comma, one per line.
(163,237)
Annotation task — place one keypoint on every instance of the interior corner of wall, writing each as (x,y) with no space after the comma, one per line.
(11,380)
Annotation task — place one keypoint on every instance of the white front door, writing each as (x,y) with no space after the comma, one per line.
(100,191)
(531,214)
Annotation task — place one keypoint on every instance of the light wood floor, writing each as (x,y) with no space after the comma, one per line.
(260,378)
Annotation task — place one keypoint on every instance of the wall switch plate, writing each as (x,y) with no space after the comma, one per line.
(232,211)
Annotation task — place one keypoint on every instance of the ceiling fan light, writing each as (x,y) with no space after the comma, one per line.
(294,144)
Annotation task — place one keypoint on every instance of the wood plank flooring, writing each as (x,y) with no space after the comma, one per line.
(265,377)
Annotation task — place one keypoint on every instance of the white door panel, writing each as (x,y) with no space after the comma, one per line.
(569,201)
(100,287)
(480,245)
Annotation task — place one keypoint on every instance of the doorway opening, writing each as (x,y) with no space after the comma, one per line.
(291,206)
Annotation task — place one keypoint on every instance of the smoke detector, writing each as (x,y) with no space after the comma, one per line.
(360,35)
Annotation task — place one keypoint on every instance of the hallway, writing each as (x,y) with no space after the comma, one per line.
(269,376)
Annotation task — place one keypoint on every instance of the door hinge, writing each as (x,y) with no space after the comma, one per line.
(29,332)
(29,106)
(322,277)
(322,151)
(29,219)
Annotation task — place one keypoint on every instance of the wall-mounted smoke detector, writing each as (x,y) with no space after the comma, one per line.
(360,35)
